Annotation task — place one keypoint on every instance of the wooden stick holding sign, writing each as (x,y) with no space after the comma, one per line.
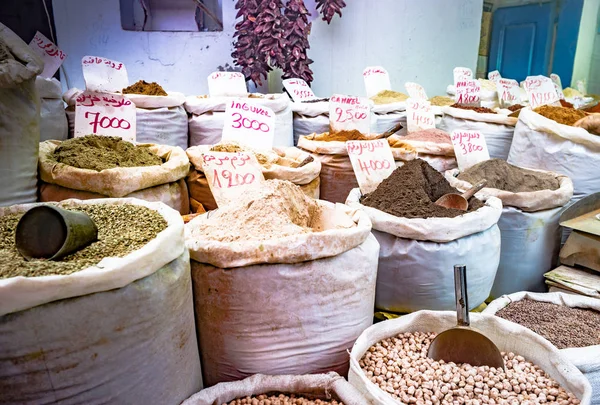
(104,75)
(349,113)
(230,175)
(249,123)
(105,114)
(470,148)
(372,162)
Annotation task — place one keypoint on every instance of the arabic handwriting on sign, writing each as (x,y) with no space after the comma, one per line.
(48,47)
(357,148)
(464,139)
(374,71)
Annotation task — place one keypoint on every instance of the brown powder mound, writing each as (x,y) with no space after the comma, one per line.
(341,136)
(411,191)
(97,152)
(504,176)
(515,107)
(388,97)
(562,115)
(483,110)
(566,104)
(148,89)
(429,135)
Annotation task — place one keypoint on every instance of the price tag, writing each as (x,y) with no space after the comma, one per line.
(541,91)
(376,79)
(419,115)
(104,75)
(508,91)
(105,114)
(299,90)
(462,74)
(494,76)
(468,92)
(347,113)
(230,84)
(372,162)
(52,56)
(557,85)
(229,175)
(470,148)
(581,87)
(250,124)
(415,91)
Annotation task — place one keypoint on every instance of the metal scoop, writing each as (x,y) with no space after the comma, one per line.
(460,201)
(464,344)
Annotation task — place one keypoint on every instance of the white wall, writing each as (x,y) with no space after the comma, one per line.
(588,29)
(414,40)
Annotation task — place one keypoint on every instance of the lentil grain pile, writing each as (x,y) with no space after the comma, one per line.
(563,326)
(282,399)
(562,115)
(483,110)
(504,176)
(97,152)
(400,366)
(121,230)
(143,87)
(411,191)
(388,97)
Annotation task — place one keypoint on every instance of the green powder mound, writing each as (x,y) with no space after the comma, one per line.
(97,152)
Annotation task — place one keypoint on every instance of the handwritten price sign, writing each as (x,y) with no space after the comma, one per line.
(376,79)
(470,148)
(52,56)
(372,162)
(508,92)
(468,92)
(227,84)
(250,124)
(541,91)
(229,175)
(347,113)
(494,76)
(105,114)
(419,115)
(299,90)
(462,74)
(557,85)
(415,91)
(104,75)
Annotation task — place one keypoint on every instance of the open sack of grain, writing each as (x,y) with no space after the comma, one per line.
(532,203)
(337,175)
(421,242)
(291,164)
(208,117)
(160,119)
(283,284)
(327,388)
(432,145)
(389,109)
(97,167)
(110,323)
(408,338)
(571,328)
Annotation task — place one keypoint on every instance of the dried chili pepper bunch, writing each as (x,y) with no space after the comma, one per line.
(270,24)
(246,41)
(297,31)
(328,8)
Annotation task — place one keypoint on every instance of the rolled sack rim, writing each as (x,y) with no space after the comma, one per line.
(307,143)
(196,105)
(21,293)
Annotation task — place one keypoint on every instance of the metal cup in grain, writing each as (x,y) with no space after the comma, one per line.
(50,232)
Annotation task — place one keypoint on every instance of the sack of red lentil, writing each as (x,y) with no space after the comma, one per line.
(310,118)
(497,129)
(283,284)
(19,119)
(329,388)
(433,145)
(521,346)
(529,223)
(291,164)
(208,117)
(586,359)
(113,323)
(337,175)
(159,119)
(53,120)
(164,182)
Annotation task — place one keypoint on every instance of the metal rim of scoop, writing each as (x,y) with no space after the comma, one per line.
(460,201)
(463,344)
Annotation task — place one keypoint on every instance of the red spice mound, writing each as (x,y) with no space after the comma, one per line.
(483,110)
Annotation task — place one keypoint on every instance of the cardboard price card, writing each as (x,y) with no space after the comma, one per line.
(231,84)
(229,175)
(462,74)
(104,75)
(52,56)
(347,113)
(105,114)
(376,79)
(372,162)
(557,85)
(468,92)
(508,92)
(494,76)
(541,91)
(470,148)
(250,124)
(415,91)
(419,115)
(299,90)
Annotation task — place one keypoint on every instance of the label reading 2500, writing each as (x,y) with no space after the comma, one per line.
(250,124)
(347,113)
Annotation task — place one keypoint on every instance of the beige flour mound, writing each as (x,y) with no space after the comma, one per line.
(276,210)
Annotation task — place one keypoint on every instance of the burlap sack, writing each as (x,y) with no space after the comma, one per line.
(506,335)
